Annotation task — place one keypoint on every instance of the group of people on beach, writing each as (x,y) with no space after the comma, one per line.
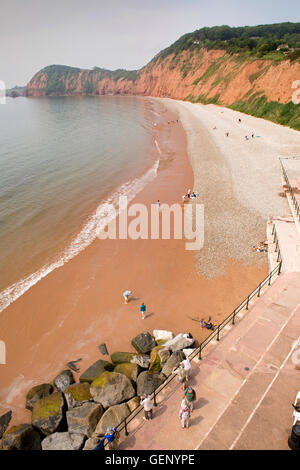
(127,295)
(227,133)
(189,195)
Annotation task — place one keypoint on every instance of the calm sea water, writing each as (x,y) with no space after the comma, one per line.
(60,158)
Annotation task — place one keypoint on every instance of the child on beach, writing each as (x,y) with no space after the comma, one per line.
(143,311)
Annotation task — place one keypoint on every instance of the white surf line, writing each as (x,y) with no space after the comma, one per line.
(263,396)
(245,380)
(157,146)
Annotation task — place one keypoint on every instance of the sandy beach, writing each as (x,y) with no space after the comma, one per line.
(79,306)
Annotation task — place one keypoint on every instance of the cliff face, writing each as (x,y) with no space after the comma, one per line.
(200,75)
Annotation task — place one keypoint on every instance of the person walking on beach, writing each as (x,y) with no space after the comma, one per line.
(111,436)
(187,367)
(158,203)
(190,397)
(184,416)
(126,296)
(148,407)
(143,311)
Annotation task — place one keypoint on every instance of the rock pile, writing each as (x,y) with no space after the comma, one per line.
(72,416)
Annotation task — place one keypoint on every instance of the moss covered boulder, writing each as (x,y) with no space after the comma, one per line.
(155,364)
(63,380)
(48,414)
(36,393)
(95,370)
(22,437)
(111,389)
(130,370)
(143,343)
(111,418)
(63,441)
(4,422)
(147,383)
(78,394)
(84,418)
(121,357)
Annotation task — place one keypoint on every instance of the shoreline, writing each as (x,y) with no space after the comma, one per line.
(79,306)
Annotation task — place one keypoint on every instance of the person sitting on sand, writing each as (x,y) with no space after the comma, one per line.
(209,326)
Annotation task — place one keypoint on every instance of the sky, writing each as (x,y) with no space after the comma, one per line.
(114,33)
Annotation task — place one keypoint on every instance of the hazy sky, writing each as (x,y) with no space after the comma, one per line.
(113,33)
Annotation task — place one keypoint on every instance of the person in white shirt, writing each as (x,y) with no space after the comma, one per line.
(187,367)
(126,296)
(148,407)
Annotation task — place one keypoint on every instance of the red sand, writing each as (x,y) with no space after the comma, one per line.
(79,306)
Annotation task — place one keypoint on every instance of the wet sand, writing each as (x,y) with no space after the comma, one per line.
(79,306)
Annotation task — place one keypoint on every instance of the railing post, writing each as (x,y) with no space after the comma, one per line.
(280,266)
(154,398)
(126,430)
(259,289)
(200,350)
(270,277)
(233,316)
(247,306)
(218,337)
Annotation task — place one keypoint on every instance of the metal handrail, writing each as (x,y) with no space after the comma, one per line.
(123,425)
(291,191)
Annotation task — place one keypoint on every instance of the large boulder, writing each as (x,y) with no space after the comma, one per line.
(164,355)
(130,370)
(189,351)
(172,362)
(4,422)
(141,360)
(63,380)
(95,370)
(121,357)
(22,437)
(111,389)
(63,441)
(78,394)
(143,343)
(84,419)
(179,342)
(162,335)
(133,403)
(111,418)
(36,393)
(155,365)
(147,383)
(92,442)
(48,414)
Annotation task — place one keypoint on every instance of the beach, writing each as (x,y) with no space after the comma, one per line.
(69,313)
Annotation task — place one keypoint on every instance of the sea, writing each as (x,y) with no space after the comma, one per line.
(61,158)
